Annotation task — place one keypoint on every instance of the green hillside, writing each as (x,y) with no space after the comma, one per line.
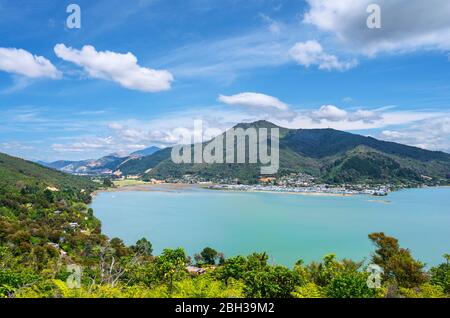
(15,172)
(330,155)
(46,235)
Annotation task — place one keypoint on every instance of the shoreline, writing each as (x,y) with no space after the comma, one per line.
(164,187)
(180,187)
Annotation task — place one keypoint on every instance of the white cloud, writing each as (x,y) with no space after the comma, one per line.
(406,25)
(128,135)
(329,113)
(21,62)
(311,53)
(367,116)
(224,58)
(332,113)
(272,25)
(428,134)
(93,146)
(120,68)
(259,104)
(386,119)
(15,146)
(254,100)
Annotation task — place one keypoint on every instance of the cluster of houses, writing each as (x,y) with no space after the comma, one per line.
(294,182)
(291,180)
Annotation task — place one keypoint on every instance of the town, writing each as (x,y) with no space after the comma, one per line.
(292,183)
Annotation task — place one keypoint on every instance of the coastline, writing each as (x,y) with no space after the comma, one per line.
(179,187)
(164,187)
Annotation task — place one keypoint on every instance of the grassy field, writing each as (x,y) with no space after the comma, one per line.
(129,182)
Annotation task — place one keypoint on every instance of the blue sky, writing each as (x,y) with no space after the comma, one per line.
(136,70)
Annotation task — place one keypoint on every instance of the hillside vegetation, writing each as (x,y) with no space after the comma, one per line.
(329,155)
(51,245)
(16,173)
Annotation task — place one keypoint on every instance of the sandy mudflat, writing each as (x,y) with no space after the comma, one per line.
(165,187)
(177,187)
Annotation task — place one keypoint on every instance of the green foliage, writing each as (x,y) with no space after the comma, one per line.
(424,291)
(309,290)
(330,155)
(120,249)
(397,263)
(270,282)
(233,268)
(440,275)
(350,285)
(18,173)
(368,166)
(171,265)
(11,280)
(46,226)
(209,255)
(207,287)
(143,247)
(107,183)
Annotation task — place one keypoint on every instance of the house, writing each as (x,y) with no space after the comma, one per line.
(195,270)
(267,180)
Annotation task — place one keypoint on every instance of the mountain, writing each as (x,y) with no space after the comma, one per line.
(103,166)
(15,172)
(330,155)
(146,152)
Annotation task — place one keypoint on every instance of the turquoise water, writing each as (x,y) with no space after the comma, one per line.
(288,227)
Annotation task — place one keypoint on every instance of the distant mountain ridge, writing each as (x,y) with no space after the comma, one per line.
(330,155)
(146,152)
(103,166)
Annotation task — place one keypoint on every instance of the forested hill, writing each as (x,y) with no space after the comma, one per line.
(320,143)
(331,155)
(17,173)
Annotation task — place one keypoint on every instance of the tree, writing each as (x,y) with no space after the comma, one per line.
(119,247)
(270,282)
(107,183)
(143,247)
(209,256)
(233,268)
(397,263)
(309,290)
(424,291)
(440,275)
(324,272)
(350,285)
(170,265)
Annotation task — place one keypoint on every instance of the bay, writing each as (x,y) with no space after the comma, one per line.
(287,226)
